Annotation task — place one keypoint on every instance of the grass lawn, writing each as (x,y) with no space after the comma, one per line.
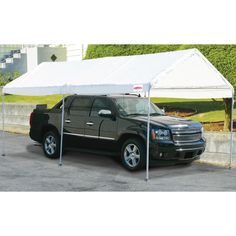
(51,100)
(207,109)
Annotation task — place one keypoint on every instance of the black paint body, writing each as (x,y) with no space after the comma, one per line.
(109,133)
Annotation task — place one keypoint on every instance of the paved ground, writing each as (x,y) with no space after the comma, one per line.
(25,168)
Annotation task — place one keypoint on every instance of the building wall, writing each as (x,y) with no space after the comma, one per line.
(76,52)
(218,148)
(31,58)
(6,49)
(19,65)
(45,54)
(33,55)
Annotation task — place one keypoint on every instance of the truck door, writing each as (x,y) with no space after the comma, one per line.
(75,117)
(100,130)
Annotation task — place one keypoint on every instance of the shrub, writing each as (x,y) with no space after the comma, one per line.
(8,77)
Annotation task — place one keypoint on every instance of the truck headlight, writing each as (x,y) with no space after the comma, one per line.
(161,134)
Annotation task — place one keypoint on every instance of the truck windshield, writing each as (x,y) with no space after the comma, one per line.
(136,106)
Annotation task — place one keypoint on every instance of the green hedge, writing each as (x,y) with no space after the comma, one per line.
(8,77)
(223,57)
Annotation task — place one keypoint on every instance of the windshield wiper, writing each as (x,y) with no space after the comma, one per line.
(155,114)
(136,114)
(142,114)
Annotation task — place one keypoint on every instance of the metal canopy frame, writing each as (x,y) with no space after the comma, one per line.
(62,129)
(231,130)
(148,131)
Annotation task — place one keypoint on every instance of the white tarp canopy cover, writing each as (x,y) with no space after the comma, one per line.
(178,74)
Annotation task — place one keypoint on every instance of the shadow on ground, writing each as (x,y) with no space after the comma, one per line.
(25,168)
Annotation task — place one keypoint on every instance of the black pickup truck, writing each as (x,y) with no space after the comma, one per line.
(117,124)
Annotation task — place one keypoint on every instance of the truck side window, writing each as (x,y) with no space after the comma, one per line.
(99,104)
(80,106)
(58,106)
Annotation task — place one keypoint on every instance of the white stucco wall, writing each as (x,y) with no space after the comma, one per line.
(32,58)
(76,52)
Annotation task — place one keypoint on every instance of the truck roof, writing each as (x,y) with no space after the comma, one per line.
(109,95)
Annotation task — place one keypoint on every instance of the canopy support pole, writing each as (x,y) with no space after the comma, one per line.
(148,136)
(62,129)
(3,125)
(231,131)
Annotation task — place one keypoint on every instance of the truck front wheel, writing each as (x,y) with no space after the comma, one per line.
(51,146)
(133,154)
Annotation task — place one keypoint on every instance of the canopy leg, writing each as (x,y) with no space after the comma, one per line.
(148,137)
(62,130)
(3,125)
(231,132)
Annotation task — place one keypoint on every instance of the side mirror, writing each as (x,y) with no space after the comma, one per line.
(105,113)
(163,110)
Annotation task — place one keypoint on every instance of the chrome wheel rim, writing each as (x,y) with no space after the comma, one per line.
(132,155)
(50,145)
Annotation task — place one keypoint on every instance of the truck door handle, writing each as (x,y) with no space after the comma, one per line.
(67,121)
(90,123)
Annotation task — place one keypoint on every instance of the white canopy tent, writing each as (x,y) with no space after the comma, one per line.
(178,74)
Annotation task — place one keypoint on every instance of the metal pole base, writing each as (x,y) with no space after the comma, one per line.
(231,130)
(62,130)
(148,137)
(3,127)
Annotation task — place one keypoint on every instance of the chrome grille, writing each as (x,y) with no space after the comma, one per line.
(188,135)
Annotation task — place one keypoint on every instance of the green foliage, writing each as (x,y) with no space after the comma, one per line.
(15,75)
(223,57)
(207,110)
(2,79)
(50,100)
(106,50)
(8,77)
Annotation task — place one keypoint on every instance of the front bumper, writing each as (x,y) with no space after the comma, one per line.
(181,152)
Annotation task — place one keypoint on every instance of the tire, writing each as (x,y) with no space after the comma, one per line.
(51,145)
(133,154)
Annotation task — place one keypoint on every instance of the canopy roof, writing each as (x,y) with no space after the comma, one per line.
(179,74)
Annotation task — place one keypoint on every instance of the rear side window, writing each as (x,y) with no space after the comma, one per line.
(59,105)
(81,106)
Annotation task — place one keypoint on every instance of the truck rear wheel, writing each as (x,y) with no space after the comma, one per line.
(51,145)
(133,154)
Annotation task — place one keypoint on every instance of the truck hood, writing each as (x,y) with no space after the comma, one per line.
(169,121)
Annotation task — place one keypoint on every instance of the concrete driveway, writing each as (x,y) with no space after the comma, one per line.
(25,168)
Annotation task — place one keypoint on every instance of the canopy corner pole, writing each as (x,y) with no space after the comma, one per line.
(62,129)
(3,126)
(148,135)
(231,131)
